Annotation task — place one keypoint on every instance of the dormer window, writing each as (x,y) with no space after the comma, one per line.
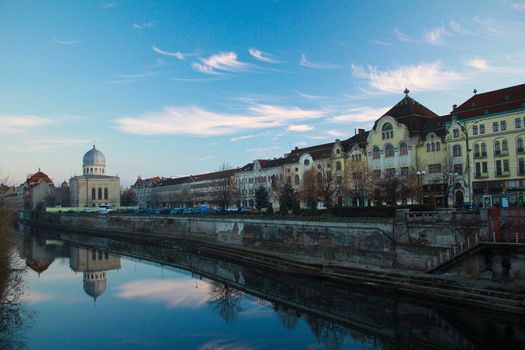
(387,131)
(455,133)
(306,162)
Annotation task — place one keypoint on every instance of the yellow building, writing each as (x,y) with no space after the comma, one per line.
(493,124)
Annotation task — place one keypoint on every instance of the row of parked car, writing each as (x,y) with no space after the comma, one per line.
(203,209)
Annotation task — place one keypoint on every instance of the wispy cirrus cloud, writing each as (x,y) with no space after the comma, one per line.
(310,96)
(144,25)
(108,4)
(128,78)
(197,121)
(65,42)
(176,54)
(244,137)
(221,62)
(360,114)
(428,76)
(516,5)
(17,124)
(299,127)
(260,56)
(435,35)
(477,63)
(317,65)
(402,36)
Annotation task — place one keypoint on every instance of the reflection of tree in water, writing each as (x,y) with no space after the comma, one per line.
(226,301)
(14,316)
(289,317)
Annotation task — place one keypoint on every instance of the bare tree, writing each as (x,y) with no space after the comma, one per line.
(326,186)
(226,301)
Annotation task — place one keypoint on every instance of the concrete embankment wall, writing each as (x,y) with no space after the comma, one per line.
(407,241)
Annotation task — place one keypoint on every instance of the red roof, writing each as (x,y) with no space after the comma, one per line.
(39,177)
(496,101)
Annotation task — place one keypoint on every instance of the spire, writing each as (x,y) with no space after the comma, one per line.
(406,91)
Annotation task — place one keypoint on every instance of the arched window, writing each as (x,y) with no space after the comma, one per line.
(519,145)
(306,162)
(389,151)
(428,147)
(100,193)
(476,150)
(106,193)
(375,152)
(504,145)
(437,146)
(388,131)
(483,149)
(289,179)
(497,147)
(403,149)
(93,193)
(433,147)
(456,151)
(296,181)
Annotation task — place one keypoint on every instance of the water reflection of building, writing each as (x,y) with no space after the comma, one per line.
(40,253)
(94,263)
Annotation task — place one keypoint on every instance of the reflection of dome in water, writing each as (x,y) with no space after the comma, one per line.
(94,157)
(94,283)
(37,266)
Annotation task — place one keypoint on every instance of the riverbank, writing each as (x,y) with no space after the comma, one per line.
(240,246)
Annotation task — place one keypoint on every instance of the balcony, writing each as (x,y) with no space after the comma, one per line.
(501,153)
(480,155)
(520,150)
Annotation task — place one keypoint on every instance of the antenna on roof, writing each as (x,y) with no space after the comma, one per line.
(475,91)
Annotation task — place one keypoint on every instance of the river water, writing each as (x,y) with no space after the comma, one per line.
(94,293)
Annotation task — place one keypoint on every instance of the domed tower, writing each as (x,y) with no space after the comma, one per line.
(95,283)
(94,162)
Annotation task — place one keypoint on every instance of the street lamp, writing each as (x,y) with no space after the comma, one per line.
(469,184)
(419,174)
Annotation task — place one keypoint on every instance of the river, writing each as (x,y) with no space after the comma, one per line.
(94,293)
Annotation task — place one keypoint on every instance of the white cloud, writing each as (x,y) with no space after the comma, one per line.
(16,124)
(173,293)
(299,127)
(429,77)
(360,114)
(65,42)
(435,35)
(402,36)
(520,5)
(310,97)
(335,133)
(224,61)
(259,55)
(458,29)
(145,25)
(477,63)
(107,5)
(305,63)
(197,121)
(245,137)
(177,54)
(127,78)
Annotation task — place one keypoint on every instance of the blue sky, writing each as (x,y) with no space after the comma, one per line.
(181,87)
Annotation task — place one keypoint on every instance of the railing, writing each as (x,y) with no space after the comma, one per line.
(471,242)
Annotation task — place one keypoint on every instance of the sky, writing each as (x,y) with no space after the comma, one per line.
(173,88)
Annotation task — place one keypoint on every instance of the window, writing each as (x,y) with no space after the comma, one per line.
(483,150)
(404,171)
(458,169)
(375,153)
(391,172)
(434,168)
(484,167)
(387,131)
(389,151)
(338,166)
(403,149)
(506,167)
(476,151)
(475,130)
(106,193)
(498,168)
(428,147)
(517,122)
(495,126)
(478,170)
(437,146)
(306,162)
(504,145)
(455,133)
(503,125)
(521,166)
(456,151)
(433,147)
(338,151)
(519,145)
(497,147)
(93,193)
(297,179)
(482,129)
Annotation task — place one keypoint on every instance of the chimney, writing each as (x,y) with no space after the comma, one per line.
(355,132)
(296,148)
(361,131)
(454,107)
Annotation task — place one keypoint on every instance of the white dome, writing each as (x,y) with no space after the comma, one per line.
(94,158)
